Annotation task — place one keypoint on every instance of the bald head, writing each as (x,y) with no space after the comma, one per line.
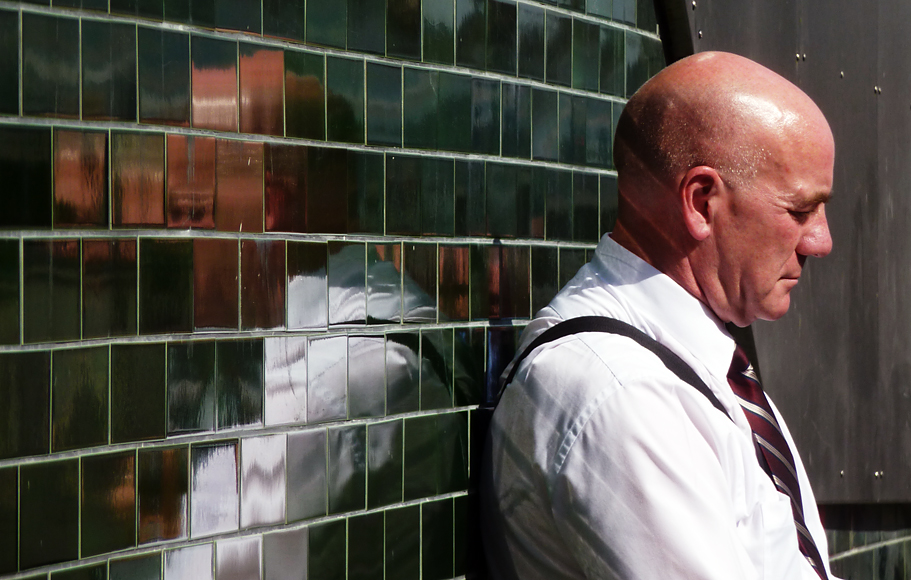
(715,109)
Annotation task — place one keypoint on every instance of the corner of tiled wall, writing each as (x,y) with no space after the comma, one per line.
(261,261)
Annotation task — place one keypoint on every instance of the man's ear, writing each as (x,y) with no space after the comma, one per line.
(698,192)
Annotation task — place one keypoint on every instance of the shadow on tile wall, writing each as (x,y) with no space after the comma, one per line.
(261,261)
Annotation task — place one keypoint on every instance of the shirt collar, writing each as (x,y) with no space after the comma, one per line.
(654,303)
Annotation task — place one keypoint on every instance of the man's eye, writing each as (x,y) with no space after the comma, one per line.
(801,216)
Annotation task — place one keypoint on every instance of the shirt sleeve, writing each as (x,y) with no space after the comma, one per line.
(643,489)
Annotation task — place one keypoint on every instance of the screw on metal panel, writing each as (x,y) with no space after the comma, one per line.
(804,56)
(694,4)
(877,474)
(700,34)
(841,473)
(842,74)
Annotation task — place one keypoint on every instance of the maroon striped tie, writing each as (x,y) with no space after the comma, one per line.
(774,449)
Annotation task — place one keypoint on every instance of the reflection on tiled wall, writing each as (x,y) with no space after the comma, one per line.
(260,262)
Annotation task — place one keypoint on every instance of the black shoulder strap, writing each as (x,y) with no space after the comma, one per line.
(613,326)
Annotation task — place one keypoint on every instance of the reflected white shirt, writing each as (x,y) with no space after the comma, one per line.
(601,463)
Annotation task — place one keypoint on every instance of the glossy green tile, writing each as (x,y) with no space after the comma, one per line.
(559,58)
(384,283)
(262,284)
(108,521)
(366,376)
(403,372)
(80,398)
(344,99)
(9,63)
(439,32)
(25,162)
(145,567)
(436,454)
(436,540)
(608,203)
(586,45)
(437,197)
(367,26)
(239,15)
(366,532)
(214,83)
(598,134)
(466,547)
(305,95)
(625,11)
(214,283)
(25,403)
(328,550)
(471,33)
(403,195)
(9,519)
(327,371)
(48,513)
(613,61)
(470,359)
(543,276)
(163,494)
(403,543)
(501,36)
(191,387)
(585,207)
(164,76)
(646,19)
(436,368)
(516,120)
(420,102)
(403,29)
(599,7)
(109,288)
(571,259)
(501,200)
(96,572)
(530,208)
(571,128)
(557,186)
(384,105)
(138,392)
(470,198)
(51,271)
(151,9)
(545,126)
(83,4)
(485,116)
(644,58)
(285,554)
(453,290)
(239,382)
(512,283)
(306,474)
(284,19)
(347,468)
(201,12)
(617,110)
(108,71)
(384,463)
(347,283)
(366,194)
(9,291)
(327,23)
(165,286)
(80,179)
(327,184)
(454,122)
(419,265)
(501,348)
(530,25)
(50,65)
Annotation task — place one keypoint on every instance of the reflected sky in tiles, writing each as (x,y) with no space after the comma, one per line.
(262,498)
(214,496)
(286,380)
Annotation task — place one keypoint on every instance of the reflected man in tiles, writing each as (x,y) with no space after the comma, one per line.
(644,448)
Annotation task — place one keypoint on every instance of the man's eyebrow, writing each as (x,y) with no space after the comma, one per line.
(815,199)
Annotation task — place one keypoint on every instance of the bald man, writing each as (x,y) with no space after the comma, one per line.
(601,460)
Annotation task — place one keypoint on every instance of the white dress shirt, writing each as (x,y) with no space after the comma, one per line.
(601,463)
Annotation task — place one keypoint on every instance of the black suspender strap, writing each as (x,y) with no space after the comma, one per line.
(613,326)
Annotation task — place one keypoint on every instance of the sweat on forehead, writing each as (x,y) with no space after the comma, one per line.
(716,109)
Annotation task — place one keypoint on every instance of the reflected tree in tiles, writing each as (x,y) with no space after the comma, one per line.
(80,398)
(305,95)
(306,476)
(163,494)
(25,163)
(164,76)
(239,186)
(238,559)
(146,567)
(365,533)
(285,554)
(214,83)
(261,105)
(50,65)
(108,503)
(25,403)
(239,383)
(137,179)
(285,380)
(215,283)
(191,386)
(262,284)
(109,288)
(308,289)
(262,499)
(191,181)
(80,179)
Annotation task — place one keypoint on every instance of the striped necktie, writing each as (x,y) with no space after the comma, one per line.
(774,454)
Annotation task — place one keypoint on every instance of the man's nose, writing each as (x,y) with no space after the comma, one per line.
(816,240)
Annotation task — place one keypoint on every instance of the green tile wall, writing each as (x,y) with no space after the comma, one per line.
(261,261)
